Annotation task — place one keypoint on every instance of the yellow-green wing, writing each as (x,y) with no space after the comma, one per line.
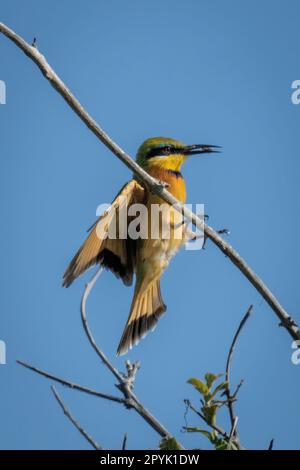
(117,255)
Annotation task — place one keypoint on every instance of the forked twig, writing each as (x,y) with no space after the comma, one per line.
(125,380)
(215,427)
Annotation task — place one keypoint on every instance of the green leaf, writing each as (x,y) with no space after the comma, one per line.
(220,444)
(221,386)
(206,433)
(199,385)
(169,444)
(211,378)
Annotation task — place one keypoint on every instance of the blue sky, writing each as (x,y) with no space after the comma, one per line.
(201,71)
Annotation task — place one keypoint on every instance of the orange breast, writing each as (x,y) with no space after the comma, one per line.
(174,179)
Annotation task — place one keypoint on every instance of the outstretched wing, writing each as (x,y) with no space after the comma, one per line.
(116,254)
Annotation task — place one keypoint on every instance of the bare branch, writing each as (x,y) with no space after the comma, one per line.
(285,319)
(232,432)
(150,419)
(72,385)
(74,422)
(231,398)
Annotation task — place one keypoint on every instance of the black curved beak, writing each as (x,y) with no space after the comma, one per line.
(199,149)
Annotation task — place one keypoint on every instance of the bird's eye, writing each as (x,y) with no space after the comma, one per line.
(159,151)
(167,149)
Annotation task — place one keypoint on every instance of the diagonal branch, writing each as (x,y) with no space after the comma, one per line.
(31,51)
(74,421)
(72,385)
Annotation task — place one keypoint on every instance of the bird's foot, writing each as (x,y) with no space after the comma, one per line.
(223,231)
(163,184)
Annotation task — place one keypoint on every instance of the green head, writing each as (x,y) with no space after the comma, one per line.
(168,153)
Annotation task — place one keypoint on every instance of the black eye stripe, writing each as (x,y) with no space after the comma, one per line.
(161,151)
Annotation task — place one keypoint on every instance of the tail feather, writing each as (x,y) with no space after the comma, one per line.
(146,309)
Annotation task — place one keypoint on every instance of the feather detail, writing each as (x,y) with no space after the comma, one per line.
(116,254)
(146,309)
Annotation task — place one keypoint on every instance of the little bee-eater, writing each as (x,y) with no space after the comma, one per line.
(147,257)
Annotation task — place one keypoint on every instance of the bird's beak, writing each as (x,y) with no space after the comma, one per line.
(198,149)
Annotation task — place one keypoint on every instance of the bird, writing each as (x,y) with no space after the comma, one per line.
(145,257)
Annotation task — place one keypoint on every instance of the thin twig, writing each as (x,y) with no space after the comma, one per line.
(231,398)
(124,443)
(74,422)
(234,341)
(271,444)
(89,286)
(72,385)
(32,52)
